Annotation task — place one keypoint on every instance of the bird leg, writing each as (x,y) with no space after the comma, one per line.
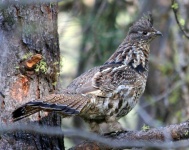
(106,126)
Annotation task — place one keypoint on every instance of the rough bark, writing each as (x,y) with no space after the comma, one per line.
(28,34)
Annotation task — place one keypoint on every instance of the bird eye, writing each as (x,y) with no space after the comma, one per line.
(144,32)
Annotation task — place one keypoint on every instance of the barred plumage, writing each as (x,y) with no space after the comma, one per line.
(105,93)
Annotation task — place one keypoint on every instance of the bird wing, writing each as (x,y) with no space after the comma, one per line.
(103,78)
(109,78)
(83,83)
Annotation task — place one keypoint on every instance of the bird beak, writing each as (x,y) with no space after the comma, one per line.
(158,33)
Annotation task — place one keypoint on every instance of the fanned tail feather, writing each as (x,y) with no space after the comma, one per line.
(66,104)
(23,112)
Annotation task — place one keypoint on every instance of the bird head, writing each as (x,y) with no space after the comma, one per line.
(143,30)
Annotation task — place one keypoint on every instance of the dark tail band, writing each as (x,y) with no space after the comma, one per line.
(35,106)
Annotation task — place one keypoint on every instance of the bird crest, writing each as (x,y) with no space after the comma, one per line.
(145,23)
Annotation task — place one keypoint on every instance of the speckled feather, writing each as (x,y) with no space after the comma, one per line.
(105,93)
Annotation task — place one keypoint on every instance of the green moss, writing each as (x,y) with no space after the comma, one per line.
(145,127)
(54,83)
(56,63)
(27,55)
(186,133)
(41,67)
(16,67)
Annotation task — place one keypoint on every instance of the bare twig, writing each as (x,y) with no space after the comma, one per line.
(155,137)
(175,10)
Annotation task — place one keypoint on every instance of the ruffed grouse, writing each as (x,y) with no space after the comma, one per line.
(105,93)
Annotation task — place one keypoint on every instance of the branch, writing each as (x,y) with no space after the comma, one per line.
(172,136)
(175,11)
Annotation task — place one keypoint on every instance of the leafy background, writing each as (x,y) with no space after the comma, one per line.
(91,30)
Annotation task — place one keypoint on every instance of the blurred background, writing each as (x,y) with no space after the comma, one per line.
(91,30)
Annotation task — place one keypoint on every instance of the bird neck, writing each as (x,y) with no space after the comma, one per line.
(134,54)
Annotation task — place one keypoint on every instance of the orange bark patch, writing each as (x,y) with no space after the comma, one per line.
(47,10)
(20,88)
(33,60)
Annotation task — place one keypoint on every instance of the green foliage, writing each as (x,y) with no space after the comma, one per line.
(174,97)
(166,68)
(182,21)
(187,78)
(178,115)
(103,32)
(175,6)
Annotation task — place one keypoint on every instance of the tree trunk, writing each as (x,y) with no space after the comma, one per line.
(29,66)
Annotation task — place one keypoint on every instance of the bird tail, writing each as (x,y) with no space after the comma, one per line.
(66,104)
